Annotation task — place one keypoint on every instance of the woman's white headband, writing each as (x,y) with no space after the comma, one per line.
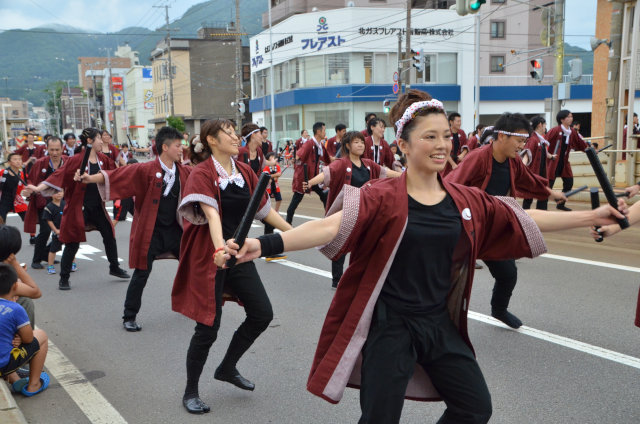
(411,112)
(248,136)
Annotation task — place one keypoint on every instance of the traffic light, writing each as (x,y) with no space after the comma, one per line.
(538,69)
(418,59)
(464,7)
(575,69)
(386,106)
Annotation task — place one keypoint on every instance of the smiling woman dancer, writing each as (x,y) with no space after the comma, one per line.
(215,198)
(402,303)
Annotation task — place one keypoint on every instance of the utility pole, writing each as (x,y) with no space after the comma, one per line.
(273,103)
(239,96)
(476,53)
(113,107)
(559,66)
(400,64)
(408,46)
(73,105)
(168,42)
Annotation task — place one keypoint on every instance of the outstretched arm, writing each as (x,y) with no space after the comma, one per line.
(557,221)
(609,230)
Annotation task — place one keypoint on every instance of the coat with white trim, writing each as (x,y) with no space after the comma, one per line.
(339,174)
(193,293)
(144,182)
(494,228)
(40,171)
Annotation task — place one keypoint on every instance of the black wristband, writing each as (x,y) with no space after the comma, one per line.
(271,244)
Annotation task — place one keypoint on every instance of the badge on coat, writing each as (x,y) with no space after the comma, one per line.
(466,214)
(158,175)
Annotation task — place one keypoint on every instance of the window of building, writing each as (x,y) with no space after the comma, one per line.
(333,117)
(368,68)
(498,1)
(293,122)
(314,71)
(337,69)
(447,68)
(497,63)
(497,29)
(246,72)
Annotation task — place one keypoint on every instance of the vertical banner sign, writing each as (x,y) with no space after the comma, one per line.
(148,99)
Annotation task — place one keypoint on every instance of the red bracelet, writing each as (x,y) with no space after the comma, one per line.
(216,252)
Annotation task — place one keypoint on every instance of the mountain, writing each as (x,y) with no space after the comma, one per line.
(33,59)
(571,52)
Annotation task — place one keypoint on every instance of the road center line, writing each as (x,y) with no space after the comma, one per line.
(90,401)
(529,331)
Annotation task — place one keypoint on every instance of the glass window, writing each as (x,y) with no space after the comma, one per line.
(279,120)
(331,118)
(313,71)
(447,68)
(497,63)
(497,29)
(498,1)
(337,69)
(293,122)
(368,68)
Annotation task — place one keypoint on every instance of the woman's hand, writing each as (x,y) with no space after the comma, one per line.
(607,214)
(250,250)
(221,258)
(606,231)
(558,196)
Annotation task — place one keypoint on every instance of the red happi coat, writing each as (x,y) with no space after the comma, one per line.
(535,147)
(72,227)
(299,143)
(338,174)
(244,152)
(19,204)
(373,223)
(386,156)
(305,154)
(471,144)
(144,181)
(462,138)
(113,152)
(476,168)
(331,148)
(40,171)
(555,136)
(193,293)
(37,153)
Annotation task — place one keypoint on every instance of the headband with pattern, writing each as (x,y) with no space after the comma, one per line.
(248,136)
(412,111)
(512,133)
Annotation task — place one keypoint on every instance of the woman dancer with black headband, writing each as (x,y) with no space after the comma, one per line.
(213,203)
(84,210)
(402,303)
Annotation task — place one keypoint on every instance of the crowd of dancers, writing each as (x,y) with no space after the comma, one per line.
(415,216)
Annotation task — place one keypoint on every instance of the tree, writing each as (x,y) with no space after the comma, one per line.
(177,123)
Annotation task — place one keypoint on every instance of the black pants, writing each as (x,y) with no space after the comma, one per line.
(567,183)
(506,276)
(244,281)
(40,252)
(395,344)
(5,208)
(93,214)
(337,268)
(163,240)
(297,198)
(540,204)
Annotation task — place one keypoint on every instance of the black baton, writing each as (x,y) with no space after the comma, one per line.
(243,228)
(575,191)
(605,147)
(605,183)
(85,159)
(595,204)
(305,168)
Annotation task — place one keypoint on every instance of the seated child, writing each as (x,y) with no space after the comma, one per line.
(19,342)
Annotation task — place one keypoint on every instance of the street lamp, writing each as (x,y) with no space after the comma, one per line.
(4,126)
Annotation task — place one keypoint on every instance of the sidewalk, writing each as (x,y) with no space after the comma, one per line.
(9,411)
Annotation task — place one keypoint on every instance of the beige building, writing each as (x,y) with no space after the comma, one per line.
(16,117)
(203,78)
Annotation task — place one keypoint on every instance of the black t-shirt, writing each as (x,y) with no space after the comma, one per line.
(92,195)
(255,164)
(53,213)
(420,275)
(500,182)
(376,153)
(10,183)
(543,160)
(235,201)
(456,146)
(168,204)
(563,151)
(359,176)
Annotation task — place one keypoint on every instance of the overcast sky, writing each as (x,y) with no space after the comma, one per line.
(113,15)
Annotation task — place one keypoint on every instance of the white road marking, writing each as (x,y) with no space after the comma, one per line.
(589,262)
(90,401)
(538,334)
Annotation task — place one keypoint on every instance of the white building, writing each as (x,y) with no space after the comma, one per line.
(138,98)
(337,65)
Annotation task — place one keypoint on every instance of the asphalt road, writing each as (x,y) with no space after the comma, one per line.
(110,376)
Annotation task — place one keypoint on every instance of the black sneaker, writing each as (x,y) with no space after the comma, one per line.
(131,326)
(37,265)
(562,207)
(118,272)
(32,240)
(63,284)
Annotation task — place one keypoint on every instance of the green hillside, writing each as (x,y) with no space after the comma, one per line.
(33,59)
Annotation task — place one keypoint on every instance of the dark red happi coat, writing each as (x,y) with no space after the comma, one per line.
(331,148)
(534,148)
(37,153)
(40,171)
(244,156)
(462,138)
(339,174)
(385,157)
(374,219)
(144,181)
(72,228)
(307,153)
(476,168)
(555,136)
(193,293)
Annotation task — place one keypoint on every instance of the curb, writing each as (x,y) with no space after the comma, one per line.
(10,413)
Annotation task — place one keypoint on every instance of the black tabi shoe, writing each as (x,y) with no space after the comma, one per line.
(36,265)
(118,272)
(334,284)
(507,317)
(56,262)
(562,207)
(234,378)
(131,326)
(194,405)
(63,284)
(32,240)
